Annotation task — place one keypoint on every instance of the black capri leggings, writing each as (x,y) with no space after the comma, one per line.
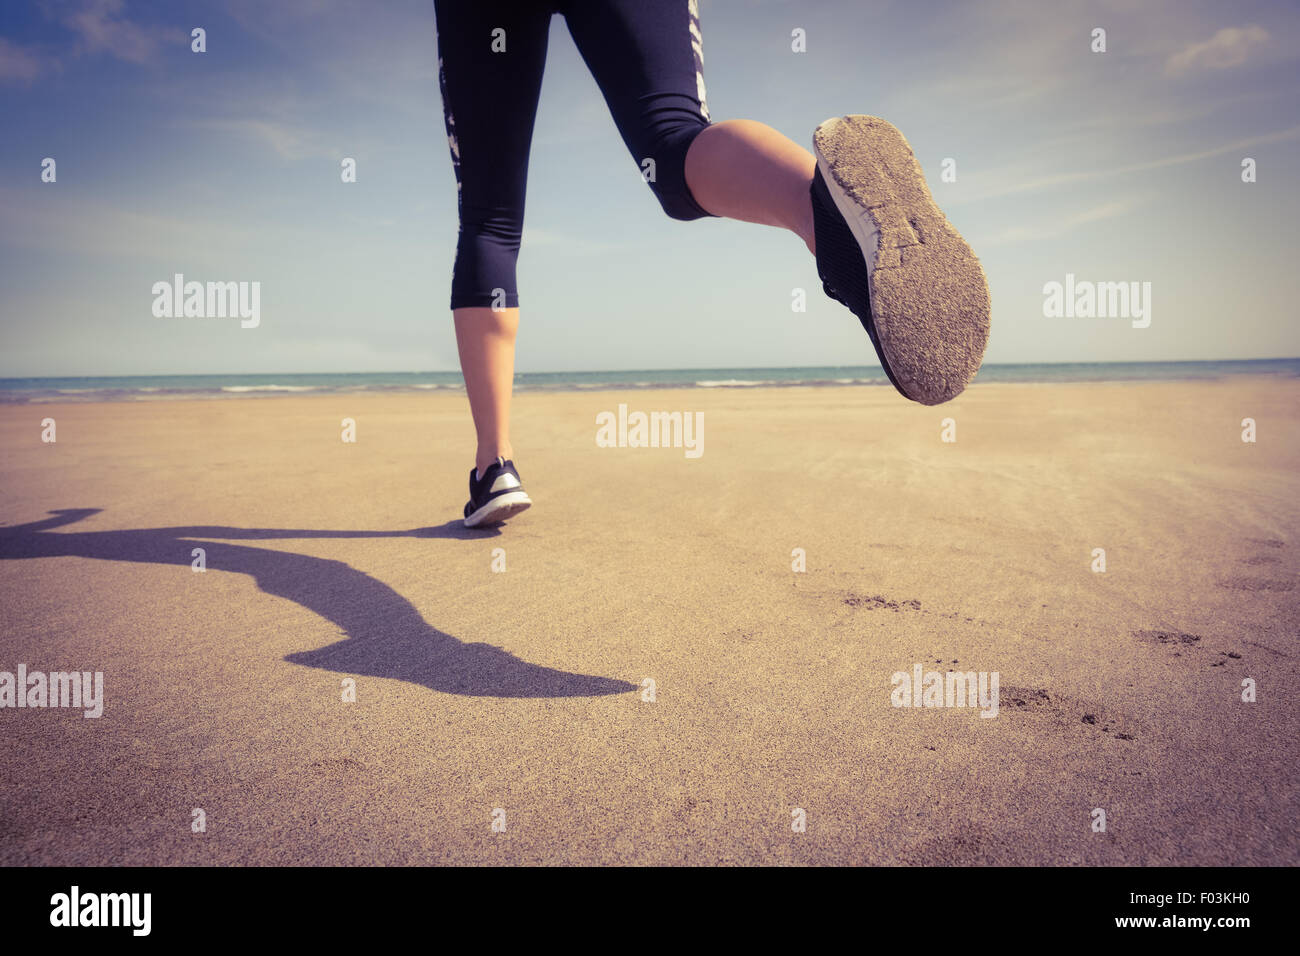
(646,58)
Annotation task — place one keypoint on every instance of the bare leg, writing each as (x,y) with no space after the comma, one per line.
(486,342)
(740,169)
(745,170)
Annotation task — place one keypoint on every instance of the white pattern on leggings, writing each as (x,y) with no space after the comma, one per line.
(697,47)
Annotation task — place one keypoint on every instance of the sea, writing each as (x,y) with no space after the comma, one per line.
(145,388)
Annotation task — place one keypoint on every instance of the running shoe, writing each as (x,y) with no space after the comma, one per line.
(498,495)
(886,252)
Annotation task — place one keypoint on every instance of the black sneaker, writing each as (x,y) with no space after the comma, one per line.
(886,252)
(498,495)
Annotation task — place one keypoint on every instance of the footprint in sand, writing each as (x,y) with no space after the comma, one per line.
(1183,642)
(1256,584)
(1089,717)
(970,844)
(848,597)
(879,603)
(1227,655)
(336,769)
(1167,637)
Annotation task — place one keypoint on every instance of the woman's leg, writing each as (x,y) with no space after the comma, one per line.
(925,309)
(742,169)
(490,82)
(486,341)
(648,60)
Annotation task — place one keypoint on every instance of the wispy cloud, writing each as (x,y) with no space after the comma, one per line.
(101,28)
(18,63)
(1051,230)
(287,141)
(571,244)
(43,220)
(1067,179)
(1231,46)
(98,27)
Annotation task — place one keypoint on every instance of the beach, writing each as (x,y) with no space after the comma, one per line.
(633,671)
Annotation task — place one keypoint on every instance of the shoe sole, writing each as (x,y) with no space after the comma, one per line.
(929,298)
(499,509)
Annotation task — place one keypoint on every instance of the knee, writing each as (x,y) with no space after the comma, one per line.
(663,167)
(502,227)
(487,252)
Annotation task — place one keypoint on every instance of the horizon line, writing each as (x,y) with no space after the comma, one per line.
(707,368)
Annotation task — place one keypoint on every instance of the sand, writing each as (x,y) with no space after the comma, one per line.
(522,690)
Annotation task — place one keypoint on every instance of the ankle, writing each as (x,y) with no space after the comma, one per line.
(485,458)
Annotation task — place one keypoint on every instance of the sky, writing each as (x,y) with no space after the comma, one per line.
(1123,165)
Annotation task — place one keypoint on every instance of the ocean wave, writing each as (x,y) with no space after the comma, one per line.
(269,388)
(75,389)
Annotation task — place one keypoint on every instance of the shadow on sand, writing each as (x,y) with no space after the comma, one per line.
(386,636)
